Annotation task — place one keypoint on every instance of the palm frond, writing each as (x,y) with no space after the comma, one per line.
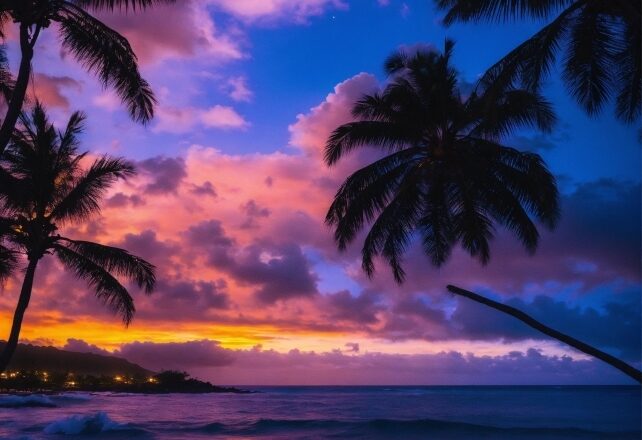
(525,175)
(530,62)
(14,194)
(8,262)
(471,223)
(108,54)
(396,62)
(82,199)
(629,71)
(117,261)
(435,225)
(375,107)
(514,109)
(391,231)
(589,55)
(69,141)
(123,5)
(471,10)
(106,287)
(379,134)
(507,210)
(366,192)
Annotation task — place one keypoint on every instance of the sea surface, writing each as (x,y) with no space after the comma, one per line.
(332,412)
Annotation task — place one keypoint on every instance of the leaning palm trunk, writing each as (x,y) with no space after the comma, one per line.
(530,321)
(23,303)
(19,90)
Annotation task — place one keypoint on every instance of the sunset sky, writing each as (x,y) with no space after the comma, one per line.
(232,191)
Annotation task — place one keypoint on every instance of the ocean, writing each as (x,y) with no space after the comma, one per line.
(506,412)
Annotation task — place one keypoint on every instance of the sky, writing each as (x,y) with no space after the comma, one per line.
(231,194)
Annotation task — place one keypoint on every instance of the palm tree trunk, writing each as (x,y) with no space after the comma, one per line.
(20,88)
(23,302)
(528,320)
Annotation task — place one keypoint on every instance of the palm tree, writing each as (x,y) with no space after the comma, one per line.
(602,41)
(44,186)
(447,179)
(99,48)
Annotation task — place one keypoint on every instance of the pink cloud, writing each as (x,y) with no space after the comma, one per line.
(183,30)
(208,360)
(184,119)
(107,100)
(270,10)
(311,130)
(223,117)
(50,89)
(238,89)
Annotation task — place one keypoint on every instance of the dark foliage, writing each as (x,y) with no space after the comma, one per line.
(45,185)
(599,43)
(447,178)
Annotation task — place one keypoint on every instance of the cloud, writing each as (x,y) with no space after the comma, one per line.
(166,174)
(281,272)
(352,347)
(209,235)
(277,271)
(183,30)
(147,245)
(616,327)
(361,309)
(179,120)
(253,212)
(187,30)
(311,130)
(238,89)
(223,117)
(309,368)
(49,89)
(276,10)
(208,360)
(120,200)
(80,346)
(107,100)
(164,356)
(205,189)
(184,297)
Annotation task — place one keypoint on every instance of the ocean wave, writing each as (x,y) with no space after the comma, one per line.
(407,429)
(26,401)
(73,397)
(89,424)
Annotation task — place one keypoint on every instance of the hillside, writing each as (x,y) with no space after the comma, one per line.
(31,357)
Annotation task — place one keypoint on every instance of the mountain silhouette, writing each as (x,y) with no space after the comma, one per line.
(31,357)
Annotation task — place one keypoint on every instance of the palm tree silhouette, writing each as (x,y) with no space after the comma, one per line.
(44,186)
(100,49)
(602,42)
(447,178)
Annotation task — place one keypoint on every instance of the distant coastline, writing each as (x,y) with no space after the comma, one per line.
(46,370)
(38,381)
